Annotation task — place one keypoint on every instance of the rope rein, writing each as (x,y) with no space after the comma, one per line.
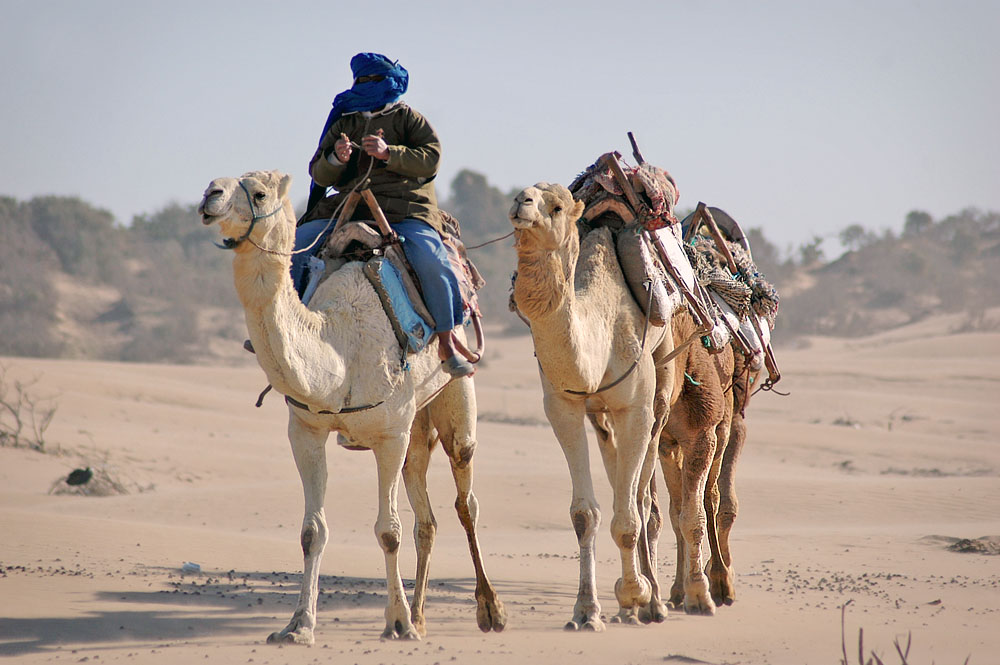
(233,243)
(635,363)
(489,242)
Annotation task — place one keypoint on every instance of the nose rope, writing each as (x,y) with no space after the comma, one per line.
(233,243)
(246,236)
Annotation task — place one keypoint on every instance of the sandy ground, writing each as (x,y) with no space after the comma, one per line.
(854,489)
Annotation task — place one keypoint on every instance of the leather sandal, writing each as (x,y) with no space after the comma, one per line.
(457,366)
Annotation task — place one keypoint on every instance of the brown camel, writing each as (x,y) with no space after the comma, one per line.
(721,576)
(692,450)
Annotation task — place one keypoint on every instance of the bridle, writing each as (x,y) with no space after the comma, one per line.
(233,243)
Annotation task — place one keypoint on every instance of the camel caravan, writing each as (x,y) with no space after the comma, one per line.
(656,330)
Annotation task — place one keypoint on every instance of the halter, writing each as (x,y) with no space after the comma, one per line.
(233,243)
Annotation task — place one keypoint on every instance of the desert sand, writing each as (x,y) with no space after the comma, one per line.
(874,484)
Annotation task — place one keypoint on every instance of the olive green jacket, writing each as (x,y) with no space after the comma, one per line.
(404,184)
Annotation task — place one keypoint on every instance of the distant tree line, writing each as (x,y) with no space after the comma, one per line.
(59,252)
(76,284)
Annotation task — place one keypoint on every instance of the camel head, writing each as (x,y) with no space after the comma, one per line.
(544,216)
(256,202)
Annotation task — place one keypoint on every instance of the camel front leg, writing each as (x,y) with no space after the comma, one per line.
(671,460)
(309,451)
(634,469)
(600,419)
(567,419)
(454,415)
(389,456)
(424,525)
(699,452)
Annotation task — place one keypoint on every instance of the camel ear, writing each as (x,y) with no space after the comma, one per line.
(284,186)
(578,208)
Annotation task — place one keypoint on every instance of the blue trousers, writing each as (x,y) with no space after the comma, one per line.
(423,249)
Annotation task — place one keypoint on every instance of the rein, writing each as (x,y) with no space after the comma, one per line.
(232,243)
(635,363)
(489,242)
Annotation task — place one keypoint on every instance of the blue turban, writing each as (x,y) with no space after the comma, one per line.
(367,96)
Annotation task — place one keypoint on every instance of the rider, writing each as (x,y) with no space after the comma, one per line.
(371,134)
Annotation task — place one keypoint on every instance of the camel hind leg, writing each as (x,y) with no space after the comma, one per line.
(418,454)
(724,587)
(718,571)
(656,611)
(453,414)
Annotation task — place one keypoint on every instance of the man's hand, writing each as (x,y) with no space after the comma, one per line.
(342,148)
(375,146)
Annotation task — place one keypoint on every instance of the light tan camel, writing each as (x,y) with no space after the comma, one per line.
(339,360)
(692,448)
(587,332)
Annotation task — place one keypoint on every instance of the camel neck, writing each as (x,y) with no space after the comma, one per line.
(544,285)
(286,335)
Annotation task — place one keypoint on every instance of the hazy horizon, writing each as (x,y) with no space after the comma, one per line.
(797,118)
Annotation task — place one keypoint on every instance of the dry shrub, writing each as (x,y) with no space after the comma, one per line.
(24,417)
(873,659)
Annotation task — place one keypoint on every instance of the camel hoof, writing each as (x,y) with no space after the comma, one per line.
(637,593)
(588,625)
(491,616)
(626,617)
(723,599)
(300,636)
(400,632)
(655,612)
(697,609)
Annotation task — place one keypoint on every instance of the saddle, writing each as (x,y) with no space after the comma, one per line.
(394,280)
(637,204)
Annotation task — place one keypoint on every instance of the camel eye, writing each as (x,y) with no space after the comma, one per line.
(260,196)
(557,209)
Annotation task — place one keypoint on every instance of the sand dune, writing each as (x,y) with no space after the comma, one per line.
(874,482)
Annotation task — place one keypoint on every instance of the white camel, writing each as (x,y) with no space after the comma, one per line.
(338,362)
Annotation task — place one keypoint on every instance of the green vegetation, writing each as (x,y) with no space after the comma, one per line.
(75,284)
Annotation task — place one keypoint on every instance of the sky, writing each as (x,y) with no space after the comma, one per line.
(800,118)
